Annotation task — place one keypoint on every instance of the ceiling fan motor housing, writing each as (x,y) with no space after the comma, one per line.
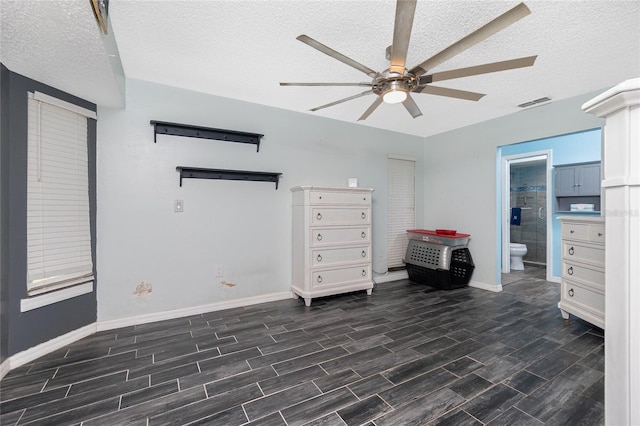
(394,82)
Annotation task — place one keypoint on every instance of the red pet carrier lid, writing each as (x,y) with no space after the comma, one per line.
(444,233)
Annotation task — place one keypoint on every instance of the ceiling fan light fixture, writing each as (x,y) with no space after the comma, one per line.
(395,92)
(394,96)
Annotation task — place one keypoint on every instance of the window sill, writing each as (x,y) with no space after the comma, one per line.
(36,302)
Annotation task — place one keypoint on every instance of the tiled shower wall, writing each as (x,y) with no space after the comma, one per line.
(528,191)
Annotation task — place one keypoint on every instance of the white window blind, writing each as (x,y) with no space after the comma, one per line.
(58,219)
(401,208)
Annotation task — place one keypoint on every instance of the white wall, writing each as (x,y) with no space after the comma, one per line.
(244,226)
(460,173)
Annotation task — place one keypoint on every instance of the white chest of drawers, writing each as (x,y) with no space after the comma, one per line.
(583,284)
(331,241)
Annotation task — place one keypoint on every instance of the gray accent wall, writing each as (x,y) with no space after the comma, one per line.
(23,330)
(4,216)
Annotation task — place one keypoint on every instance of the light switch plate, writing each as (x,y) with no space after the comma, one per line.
(178,206)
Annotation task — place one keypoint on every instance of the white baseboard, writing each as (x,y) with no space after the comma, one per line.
(555,280)
(5,367)
(195,310)
(28,355)
(390,276)
(484,286)
(400,275)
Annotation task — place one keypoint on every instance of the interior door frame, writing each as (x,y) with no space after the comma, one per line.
(506,163)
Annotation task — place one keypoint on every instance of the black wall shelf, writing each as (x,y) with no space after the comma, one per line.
(189,131)
(201,173)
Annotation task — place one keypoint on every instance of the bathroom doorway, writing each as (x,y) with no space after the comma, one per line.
(527,211)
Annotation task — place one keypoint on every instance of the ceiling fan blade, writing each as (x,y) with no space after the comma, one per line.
(412,107)
(405,10)
(371,108)
(328,84)
(451,93)
(479,69)
(336,55)
(501,22)
(368,92)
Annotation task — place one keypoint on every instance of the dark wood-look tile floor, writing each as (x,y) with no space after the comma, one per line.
(407,355)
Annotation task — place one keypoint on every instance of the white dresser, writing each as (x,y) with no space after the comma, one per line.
(331,241)
(583,285)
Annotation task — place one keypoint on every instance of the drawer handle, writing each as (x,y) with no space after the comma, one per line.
(572,231)
(319,216)
(319,278)
(320,197)
(363,235)
(571,251)
(364,216)
(364,253)
(599,234)
(319,258)
(364,273)
(570,270)
(570,292)
(319,237)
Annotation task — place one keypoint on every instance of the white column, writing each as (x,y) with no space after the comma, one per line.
(620,106)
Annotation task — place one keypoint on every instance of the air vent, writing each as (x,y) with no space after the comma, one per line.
(534,102)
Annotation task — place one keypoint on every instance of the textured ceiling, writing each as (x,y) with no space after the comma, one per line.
(59,43)
(243,49)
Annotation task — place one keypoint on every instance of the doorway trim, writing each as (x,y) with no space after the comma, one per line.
(506,163)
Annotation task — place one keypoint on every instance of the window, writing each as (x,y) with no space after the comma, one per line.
(58,217)
(401,208)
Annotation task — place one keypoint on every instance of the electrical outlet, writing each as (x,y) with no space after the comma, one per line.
(219,270)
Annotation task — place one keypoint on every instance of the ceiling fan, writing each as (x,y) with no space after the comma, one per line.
(395,84)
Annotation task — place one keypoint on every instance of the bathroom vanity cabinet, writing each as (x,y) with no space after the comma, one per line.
(331,241)
(583,256)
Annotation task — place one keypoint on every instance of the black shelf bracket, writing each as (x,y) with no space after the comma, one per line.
(189,131)
(200,173)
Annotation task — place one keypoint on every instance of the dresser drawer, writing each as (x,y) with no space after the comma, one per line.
(353,235)
(583,253)
(594,276)
(574,293)
(329,256)
(331,277)
(342,216)
(590,232)
(596,233)
(330,197)
(575,231)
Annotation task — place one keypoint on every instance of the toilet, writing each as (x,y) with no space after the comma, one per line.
(517,252)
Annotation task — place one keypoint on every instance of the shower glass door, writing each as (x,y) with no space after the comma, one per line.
(529,193)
